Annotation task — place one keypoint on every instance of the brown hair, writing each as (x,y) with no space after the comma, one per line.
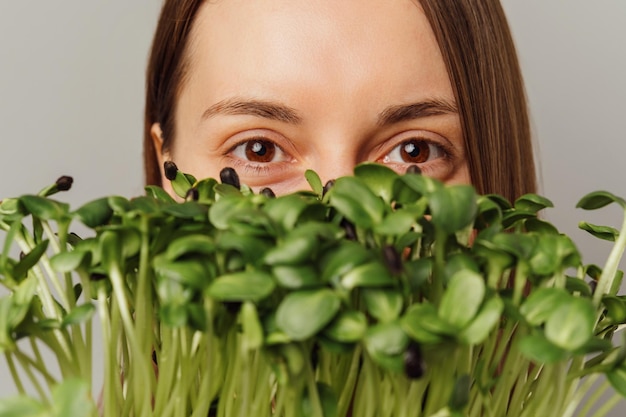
(482,64)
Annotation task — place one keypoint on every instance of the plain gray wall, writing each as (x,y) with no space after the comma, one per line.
(72,82)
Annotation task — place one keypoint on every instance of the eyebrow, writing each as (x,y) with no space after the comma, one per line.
(260,108)
(406,112)
(283,113)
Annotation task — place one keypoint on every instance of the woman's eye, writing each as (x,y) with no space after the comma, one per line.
(258,150)
(414,151)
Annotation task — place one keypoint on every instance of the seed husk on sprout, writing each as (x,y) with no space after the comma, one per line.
(170,170)
(229,176)
(268,192)
(413,169)
(64,183)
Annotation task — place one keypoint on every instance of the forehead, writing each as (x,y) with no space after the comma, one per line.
(245,47)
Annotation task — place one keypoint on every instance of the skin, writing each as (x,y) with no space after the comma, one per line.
(320,85)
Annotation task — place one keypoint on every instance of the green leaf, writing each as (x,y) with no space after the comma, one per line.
(347,327)
(513,217)
(227,190)
(453,207)
(11,207)
(353,199)
(571,324)
(145,205)
(601,232)
(577,285)
(517,244)
(541,303)
(422,324)
(484,323)
(181,184)
(294,249)
(227,208)
(396,223)
(192,272)
(195,244)
(186,210)
(21,406)
(69,261)
(383,304)
(617,378)
(30,260)
(22,298)
(119,204)
(44,208)
(314,181)
(542,227)
(552,254)
(418,272)
(328,401)
(252,329)
(173,315)
(386,344)
(79,314)
(462,298)
(460,396)
(420,185)
(540,350)
(251,248)
(72,398)
(294,356)
(379,178)
(242,286)
(502,202)
(373,274)
(285,210)
(296,277)
(158,193)
(338,261)
(95,213)
(599,199)
(459,262)
(206,190)
(302,314)
(532,203)
(616,308)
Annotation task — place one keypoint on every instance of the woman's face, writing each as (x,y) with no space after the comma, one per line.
(276,87)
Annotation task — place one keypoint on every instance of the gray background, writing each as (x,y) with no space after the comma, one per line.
(72,82)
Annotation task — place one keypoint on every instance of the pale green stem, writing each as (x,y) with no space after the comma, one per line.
(38,365)
(348,391)
(110,369)
(579,395)
(594,398)
(141,390)
(608,405)
(610,267)
(167,371)
(16,376)
(33,379)
(312,386)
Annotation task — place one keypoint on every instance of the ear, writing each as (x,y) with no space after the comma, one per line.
(157,140)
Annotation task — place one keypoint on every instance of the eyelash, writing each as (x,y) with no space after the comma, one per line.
(251,167)
(263,168)
(445,150)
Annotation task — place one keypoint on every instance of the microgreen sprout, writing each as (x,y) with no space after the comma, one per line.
(377,294)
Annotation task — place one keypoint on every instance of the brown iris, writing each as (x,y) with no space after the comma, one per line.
(260,151)
(414,152)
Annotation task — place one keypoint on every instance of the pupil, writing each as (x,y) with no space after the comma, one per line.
(415,152)
(412,150)
(260,151)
